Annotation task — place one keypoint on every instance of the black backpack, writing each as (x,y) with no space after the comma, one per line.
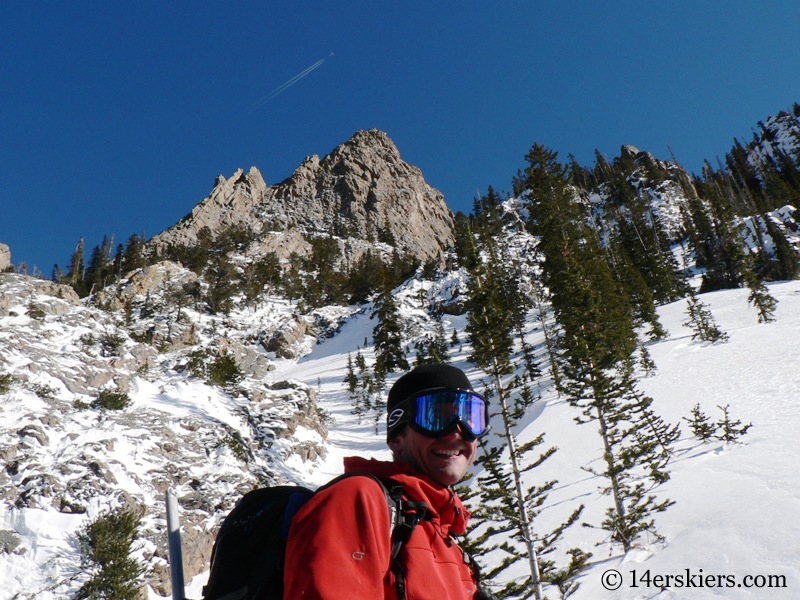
(248,556)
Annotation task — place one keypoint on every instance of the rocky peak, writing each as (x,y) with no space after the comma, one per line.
(362,190)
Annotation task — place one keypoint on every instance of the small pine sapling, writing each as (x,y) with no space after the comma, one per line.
(564,579)
(702,321)
(760,298)
(701,427)
(730,430)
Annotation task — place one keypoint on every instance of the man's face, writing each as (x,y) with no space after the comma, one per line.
(445,460)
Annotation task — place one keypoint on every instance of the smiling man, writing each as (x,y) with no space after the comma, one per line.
(340,542)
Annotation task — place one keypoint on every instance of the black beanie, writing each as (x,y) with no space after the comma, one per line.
(424,377)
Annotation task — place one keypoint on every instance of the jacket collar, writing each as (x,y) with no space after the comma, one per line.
(444,503)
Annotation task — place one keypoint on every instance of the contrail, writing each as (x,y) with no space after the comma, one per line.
(287,84)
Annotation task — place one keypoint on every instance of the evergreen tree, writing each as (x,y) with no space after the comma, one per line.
(642,299)
(75,273)
(724,257)
(433,350)
(100,269)
(58,275)
(489,320)
(261,276)
(388,335)
(223,280)
(364,277)
(647,248)
(358,385)
(324,285)
(454,341)
(366,388)
(106,545)
(787,261)
(635,452)
(760,298)
(730,430)
(487,212)
(520,281)
(597,344)
(133,257)
(464,241)
(508,506)
(701,427)
(701,320)
(350,378)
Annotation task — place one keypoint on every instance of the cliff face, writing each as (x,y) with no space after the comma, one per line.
(362,190)
(105,408)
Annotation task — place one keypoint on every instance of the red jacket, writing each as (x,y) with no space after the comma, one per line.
(339,544)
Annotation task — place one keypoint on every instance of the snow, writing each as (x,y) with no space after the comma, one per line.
(736,505)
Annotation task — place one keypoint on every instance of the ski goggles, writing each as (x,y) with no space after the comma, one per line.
(435,413)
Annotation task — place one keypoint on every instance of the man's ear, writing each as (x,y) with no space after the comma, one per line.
(395,442)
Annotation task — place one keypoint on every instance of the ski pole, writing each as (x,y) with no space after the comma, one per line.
(174,546)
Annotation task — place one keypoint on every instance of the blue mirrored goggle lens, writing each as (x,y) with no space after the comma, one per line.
(437,411)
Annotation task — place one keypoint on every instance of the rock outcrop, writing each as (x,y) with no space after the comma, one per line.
(361,190)
(67,452)
(5,257)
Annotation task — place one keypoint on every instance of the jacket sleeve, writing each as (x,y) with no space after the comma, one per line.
(339,545)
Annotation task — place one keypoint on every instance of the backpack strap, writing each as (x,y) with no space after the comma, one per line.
(404,516)
(408,515)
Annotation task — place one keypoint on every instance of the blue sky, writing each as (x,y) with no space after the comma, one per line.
(117,117)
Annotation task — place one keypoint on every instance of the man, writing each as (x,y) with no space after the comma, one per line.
(339,546)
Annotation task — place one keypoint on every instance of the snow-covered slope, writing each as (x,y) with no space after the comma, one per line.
(735,504)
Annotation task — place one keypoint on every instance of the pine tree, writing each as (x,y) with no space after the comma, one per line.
(133,257)
(223,284)
(358,386)
(488,213)
(364,277)
(100,268)
(701,321)
(433,349)
(646,248)
(597,344)
(388,335)
(260,277)
(760,298)
(509,506)
(635,452)
(106,545)
(75,273)
(564,579)
(701,427)
(730,430)
(787,261)
(366,388)
(350,378)
(324,286)
(724,256)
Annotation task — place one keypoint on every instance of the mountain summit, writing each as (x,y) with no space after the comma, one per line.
(362,189)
